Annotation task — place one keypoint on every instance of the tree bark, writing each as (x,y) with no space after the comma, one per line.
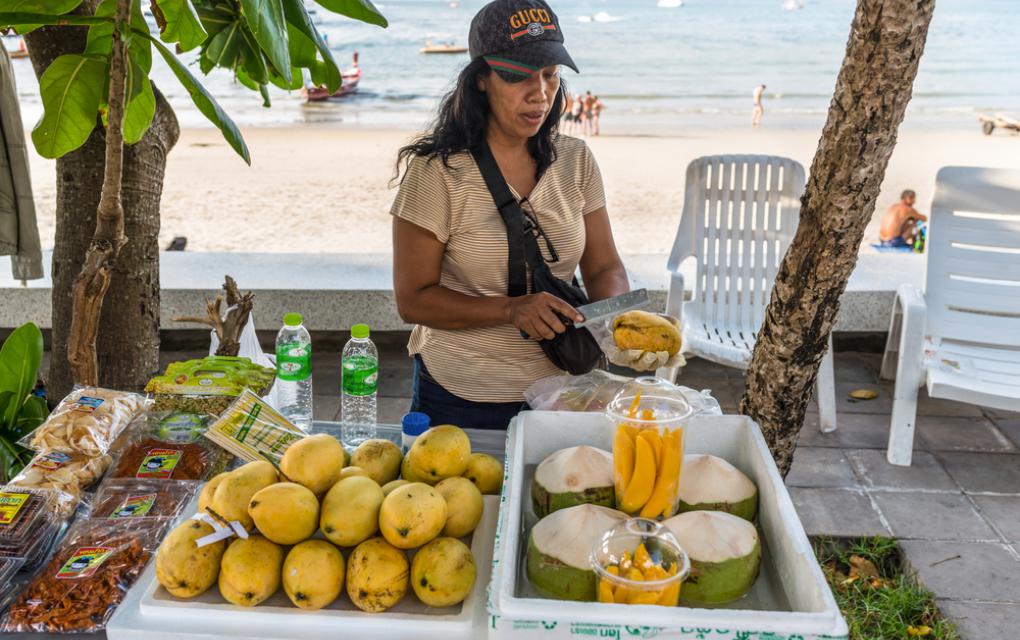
(128,341)
(873,89)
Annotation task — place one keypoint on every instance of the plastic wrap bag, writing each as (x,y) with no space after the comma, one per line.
(252,430)
(88,420)
(29,521)
(249,347)
(87,577)
(68,473)
(634,358)
(147,457)
(592,391)
(207,385)
(139,499)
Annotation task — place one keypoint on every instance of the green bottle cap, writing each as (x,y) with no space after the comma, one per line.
(292,319)
(360,331)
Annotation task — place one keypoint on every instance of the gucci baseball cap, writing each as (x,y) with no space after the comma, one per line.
(517,38)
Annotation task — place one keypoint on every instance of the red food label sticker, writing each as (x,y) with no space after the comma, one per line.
(135,506)
(84,562)
(52,461)
(159,464)
(87,404)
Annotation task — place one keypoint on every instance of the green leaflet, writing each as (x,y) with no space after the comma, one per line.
(362,10)
(71,91)
(100,37)
(254,64)
(24,22)
(266,22)
(49,7)
(327,71)
(183,25)
(223,49)
(141,103)
(205,102)
(20,356)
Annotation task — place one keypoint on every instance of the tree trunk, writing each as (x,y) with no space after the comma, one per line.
(128,342)
(872,91)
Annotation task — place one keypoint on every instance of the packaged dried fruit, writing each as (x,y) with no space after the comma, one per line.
(178,426)
(149,458)
(649,415)
(88,421)
(128,498)
(207,385)
(87,577)
(29,520)
(67,472)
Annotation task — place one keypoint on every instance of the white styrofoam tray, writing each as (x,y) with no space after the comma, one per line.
(150,613)
(794,601)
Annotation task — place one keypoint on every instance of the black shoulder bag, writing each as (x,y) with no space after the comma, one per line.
(575,350)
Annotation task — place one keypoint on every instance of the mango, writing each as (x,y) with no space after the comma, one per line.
(464,506)
(646,331)
(379,458)
(350,511)
(642,482)
(231,498)
(208,489)
(377,574)
(393,484)
(439,453)
(352,471)
(313,574)
(412,515)
(486,472)
(250,571)
(314,462)
(443,572)
(183,568)
(286,512)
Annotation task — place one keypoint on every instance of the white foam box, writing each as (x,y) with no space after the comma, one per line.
(150,613)
(789,601)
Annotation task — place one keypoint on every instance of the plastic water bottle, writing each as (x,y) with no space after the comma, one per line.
(360,382)
(294,372)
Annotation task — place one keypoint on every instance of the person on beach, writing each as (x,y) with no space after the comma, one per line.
(472,362)
(577,116)
(568,111)
(588,102)
(900,222)
(759,108)
(596,113)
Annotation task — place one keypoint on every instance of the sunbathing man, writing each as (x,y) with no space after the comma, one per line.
(899,224)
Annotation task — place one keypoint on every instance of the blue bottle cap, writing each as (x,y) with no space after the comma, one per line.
(415,423)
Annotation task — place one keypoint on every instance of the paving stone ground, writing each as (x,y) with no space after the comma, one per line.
(956,510)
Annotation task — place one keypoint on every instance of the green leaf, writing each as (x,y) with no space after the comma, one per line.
(223,49)
(25,22)
(141,104)
(204,101)
(267,24)
(215,19)
(281,82)
(183,25)
(20,356)
(100,37)
(32,415)
(71,89)
(362,10)
(49,7)
(254,63)
(300,22)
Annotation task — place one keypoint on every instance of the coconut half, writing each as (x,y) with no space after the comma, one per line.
(559,551)
(709,483)
(725,554)
(573,476)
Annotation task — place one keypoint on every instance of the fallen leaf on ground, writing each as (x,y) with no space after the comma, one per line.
(863,394)
(862,567)
(922,630)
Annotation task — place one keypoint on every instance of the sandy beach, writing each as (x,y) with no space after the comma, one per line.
(326,189)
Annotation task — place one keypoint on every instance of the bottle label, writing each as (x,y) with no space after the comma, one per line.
(293,361)
(360,375)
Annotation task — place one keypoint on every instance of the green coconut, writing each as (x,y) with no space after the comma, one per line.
(559,551)
(709,483)
(725,554)
(573,476)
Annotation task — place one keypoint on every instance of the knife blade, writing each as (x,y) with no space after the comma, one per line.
(598,311)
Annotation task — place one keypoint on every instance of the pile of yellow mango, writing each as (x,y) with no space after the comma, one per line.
(646,469)
(640,568)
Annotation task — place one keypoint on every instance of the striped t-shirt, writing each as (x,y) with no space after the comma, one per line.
(493,364)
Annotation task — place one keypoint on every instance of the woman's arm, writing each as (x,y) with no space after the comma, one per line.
(601,267)
(417,266)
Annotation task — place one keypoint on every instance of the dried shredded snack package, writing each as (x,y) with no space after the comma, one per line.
(129,498)
(29,520)
(146,457)
(88,420)
(87,577)
(67,472)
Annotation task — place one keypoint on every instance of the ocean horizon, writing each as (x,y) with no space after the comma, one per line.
(679,67)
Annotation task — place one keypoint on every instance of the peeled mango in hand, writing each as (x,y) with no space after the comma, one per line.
(644,331)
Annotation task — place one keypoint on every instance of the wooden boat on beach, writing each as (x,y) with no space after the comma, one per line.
(990,123)
(350,76)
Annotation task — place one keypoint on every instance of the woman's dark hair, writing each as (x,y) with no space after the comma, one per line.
(463,116)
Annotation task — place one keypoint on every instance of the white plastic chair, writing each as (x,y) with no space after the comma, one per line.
(961,336)
(740,214)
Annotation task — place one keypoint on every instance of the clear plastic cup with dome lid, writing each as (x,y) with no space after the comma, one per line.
(639,561)
(648,416)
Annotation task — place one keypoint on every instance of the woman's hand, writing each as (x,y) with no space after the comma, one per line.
(536,315)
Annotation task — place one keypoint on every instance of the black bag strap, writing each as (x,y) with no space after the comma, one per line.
(513,218)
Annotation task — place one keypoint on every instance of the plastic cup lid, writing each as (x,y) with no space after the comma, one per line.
(415,423)
(360,331)
(292,319)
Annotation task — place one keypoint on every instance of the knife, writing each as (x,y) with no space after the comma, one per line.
(610,307)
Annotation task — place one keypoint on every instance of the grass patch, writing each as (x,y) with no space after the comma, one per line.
(877,599)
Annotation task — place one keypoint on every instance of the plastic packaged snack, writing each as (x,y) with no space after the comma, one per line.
(178,426)
(208,385)
(69,473)
(88,420)
(29,520)
(8,567)
(253,430)
(594,391)
(149,458)
(87,577)
(128,498)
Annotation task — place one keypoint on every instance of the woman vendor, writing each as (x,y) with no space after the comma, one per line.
(450,249)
